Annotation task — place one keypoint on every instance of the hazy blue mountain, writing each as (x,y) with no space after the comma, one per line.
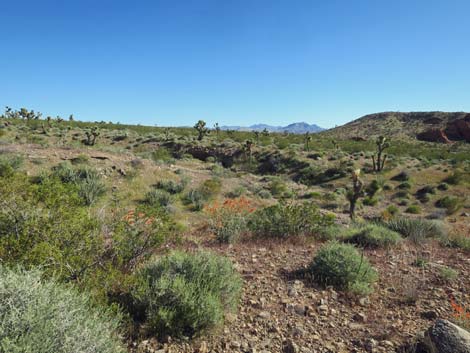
(295,128)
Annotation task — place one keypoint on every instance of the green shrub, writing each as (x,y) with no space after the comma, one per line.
(392,210)
(137,234)
(285,220)
(236,192)
(277,187)
(9,164)
(229,220)
(210,188)
(447,274)
(403,202)
(331,232)
(402,194)
(65,172)
(373,236)
(428,189)
(443,186)
(80,159)
(46,224)
(42,316)
(195,198)
(185,294)
(370,201)
(264,194)
(171,186)
(374,187)
(404,186)
(158,198)
(161,155)
(423,198)
(402,176)
(450,203)
(457,241)
(89,184)
(90,189)
(413,209)
(416,229)
(342,266)
(457,177)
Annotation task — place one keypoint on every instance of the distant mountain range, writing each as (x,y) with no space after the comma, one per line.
(295,128)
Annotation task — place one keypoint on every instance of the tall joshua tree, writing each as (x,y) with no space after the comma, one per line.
(307,140)
(355,193)
(248,149)
(217,129)
(91,136)
(378,159)
(256,133)
(201,128)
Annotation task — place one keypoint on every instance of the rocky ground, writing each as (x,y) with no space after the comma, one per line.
(282,312)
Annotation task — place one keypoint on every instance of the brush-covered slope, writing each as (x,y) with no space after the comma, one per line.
(426,126)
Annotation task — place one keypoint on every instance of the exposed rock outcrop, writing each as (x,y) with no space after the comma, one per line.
(444,337)
(459,129)
(433,135)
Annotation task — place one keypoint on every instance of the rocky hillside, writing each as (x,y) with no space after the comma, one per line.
(442,127)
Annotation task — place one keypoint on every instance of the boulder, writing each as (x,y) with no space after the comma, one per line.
(446,337)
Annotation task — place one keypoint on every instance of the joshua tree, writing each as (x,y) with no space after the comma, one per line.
(91,136)
(201,129)
(59,119)
(265,132)
(49,121)
(43,129)
(335,144)
(256,133)
(166,133)
(307,138)
(71,117)
(378,162)
(355,193)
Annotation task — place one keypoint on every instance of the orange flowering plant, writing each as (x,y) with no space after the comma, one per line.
(460,314)
(229,219)
(137,234)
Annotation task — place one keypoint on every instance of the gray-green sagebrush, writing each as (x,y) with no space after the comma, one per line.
(42,316)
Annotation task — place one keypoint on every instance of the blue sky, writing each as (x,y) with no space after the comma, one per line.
(234,61)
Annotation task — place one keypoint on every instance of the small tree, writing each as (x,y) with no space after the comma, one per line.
(265,132)
(201,128)
(71,117)
(355,193)
(378,162)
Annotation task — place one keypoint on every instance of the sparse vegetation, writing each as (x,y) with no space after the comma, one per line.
(92,215)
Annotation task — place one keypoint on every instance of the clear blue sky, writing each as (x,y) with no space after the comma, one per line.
(234,61)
